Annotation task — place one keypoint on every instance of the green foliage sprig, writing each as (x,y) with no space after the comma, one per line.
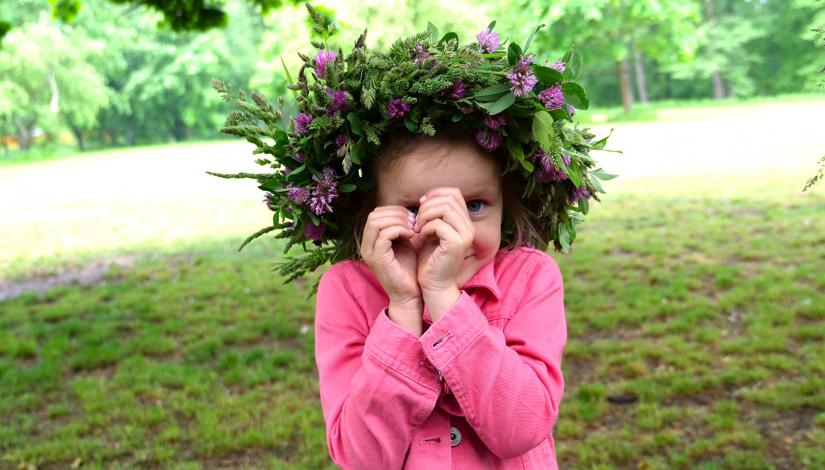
(346,104)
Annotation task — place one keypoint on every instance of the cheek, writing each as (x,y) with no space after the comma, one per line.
(488,234)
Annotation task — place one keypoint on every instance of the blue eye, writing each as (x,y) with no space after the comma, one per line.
(470,206)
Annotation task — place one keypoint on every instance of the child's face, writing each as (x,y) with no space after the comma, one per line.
(432,164)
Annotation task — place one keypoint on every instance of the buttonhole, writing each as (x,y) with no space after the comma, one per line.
(440,340)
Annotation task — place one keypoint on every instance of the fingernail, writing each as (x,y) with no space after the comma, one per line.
(423,198)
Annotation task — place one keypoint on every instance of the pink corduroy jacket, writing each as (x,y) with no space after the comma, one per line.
(479,389)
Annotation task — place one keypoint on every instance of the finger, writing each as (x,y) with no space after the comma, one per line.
(442,190)
(447,208)
(383,242)
(380,219)
(442,231)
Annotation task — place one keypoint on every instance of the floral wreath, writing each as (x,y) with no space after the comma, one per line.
(511,103)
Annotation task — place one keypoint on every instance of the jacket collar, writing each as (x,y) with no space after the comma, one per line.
(485,277)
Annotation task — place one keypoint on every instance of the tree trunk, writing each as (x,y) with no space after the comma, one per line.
(178,128)
(3,137)
(716,78)
(624,85)
(78,135)
(641,80)
(24,134)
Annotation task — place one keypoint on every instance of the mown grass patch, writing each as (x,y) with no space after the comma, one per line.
(695,318)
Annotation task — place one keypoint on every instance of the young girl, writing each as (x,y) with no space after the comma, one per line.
(426,174)
(440,349)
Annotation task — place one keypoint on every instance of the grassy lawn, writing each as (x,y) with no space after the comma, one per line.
(695,306)
(706,308)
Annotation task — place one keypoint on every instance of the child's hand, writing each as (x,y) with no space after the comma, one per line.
(447,235)
(394,263)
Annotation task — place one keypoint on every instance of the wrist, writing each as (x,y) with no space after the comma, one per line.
(407,314)
(440,301)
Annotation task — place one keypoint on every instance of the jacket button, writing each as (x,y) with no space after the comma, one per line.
(455,437)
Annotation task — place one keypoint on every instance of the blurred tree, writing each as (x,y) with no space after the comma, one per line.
(178,15)
(613,30)
(45,78)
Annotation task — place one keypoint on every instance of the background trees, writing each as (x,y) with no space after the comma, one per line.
(117,72)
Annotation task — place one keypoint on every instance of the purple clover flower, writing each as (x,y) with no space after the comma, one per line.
(341,139)
(488,140)
(522,79)
(298,195)
(559,66)
(466,109)
(547,171)
(488,40)
(325,191)
(494,122)
(314,232)
(321,60)
(269,199)
(420,54)
(455,91)
(397,108)
(571,110)
(579,193)
(299,157)
(552,97)
(302,122)
(339,101)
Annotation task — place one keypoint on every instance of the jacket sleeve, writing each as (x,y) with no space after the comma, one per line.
(508,383)
(375,388)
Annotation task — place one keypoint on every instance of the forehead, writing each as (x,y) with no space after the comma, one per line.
(437,164)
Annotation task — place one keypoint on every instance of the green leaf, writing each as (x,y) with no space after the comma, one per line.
(346,188)
(433,32)
(354,123)
(293,173)
(574,95)
(546,75)
(597,185)
(513,53)
(559,114)
(491,25)
(600,174)
(447,37)
(564,235)
(599,144)
(515,149)
(286,71)
(411,126)
(359,150)
(584,205)
(499,105)
(494,91)
(530,39)
(527,165)
(494,55)
(573,63)
(543,130)
(574,173)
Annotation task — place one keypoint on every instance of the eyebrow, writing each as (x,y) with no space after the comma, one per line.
(478,192)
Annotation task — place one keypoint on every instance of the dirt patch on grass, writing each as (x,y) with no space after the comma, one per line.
(90,274)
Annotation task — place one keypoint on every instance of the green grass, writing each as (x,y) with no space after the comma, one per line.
(702,298)
(707,306)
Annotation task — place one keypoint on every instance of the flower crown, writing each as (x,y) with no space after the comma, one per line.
(512,104)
